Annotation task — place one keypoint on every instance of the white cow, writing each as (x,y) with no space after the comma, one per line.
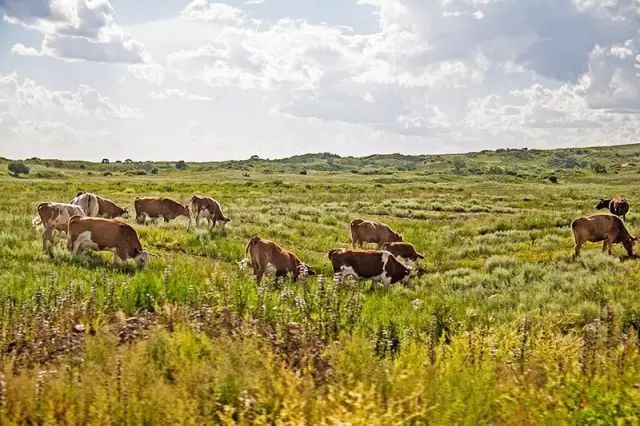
(88,203)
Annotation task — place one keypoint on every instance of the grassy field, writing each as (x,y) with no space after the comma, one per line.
(503,328)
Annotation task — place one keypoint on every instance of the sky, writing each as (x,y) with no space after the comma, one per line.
(206,80)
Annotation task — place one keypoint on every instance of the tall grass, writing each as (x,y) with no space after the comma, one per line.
(504,327)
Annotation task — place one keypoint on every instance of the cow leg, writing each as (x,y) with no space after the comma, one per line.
(213,223)
(47,237)
(198,217)
(577,249)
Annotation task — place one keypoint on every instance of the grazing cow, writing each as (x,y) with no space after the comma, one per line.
(364,231)
(373,265)
(267,255)
(55,217)
(616,205)
(154,207)
(88,203)
(110,210)
(404,252)
(106,234)
(210,209)
(596,228)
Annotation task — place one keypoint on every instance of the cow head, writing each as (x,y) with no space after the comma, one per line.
(602,204)
(305,270)
(629,243)
(124,213)
(407,276)
(142,259)
(395,237)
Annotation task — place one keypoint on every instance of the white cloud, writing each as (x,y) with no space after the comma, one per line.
(205,11)
(24,98)
(411,75)
(178,94)
(83,30)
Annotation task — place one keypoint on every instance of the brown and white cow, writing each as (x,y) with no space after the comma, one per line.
(365,231)
(88,203)
(111,210)
(55,217)
(267,255)
(376,265)
(156,207)
(602,227)
(106,234)
(207,207)
(404,252)
(616,205)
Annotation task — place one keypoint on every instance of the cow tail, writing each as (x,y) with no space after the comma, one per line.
(252,241)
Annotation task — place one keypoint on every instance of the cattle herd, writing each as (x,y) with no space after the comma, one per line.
(91,222)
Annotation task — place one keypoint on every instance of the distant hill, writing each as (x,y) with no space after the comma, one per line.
(516,162)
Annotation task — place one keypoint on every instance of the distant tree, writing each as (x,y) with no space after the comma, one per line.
(18,168)
(303,172)
(598,168)
(105,161)
(154,171)
(128,161)
(82,167)
(181,165)
(118,162)
(254,157)
(458,165)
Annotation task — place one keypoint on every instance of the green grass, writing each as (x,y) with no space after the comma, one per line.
(504,328)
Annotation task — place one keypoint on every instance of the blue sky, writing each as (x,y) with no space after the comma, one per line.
(208,80)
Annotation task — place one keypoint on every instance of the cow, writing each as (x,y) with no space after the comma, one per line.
(364,231)
(88,203)
(404,252)
(106,234)
(607,228)
(267,255)
(110,210)
(376,265)
(155,207)
(616,205)
(55,217)
(208,208)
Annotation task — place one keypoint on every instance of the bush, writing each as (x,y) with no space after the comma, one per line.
(154,171)
(18,168)
(138,172)
(553,179)
(107,174)
(181,165)
(598,168)
(303,172)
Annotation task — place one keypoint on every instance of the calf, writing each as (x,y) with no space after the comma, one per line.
(616,205)
(106,234)
(373,265)
(110,210)
(596,228)
(210,209)
(88,203)
(364,231)
(55,217)
(404,252)
(265,254)
(155,207)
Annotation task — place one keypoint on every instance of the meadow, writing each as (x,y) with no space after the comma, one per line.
(504,327)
